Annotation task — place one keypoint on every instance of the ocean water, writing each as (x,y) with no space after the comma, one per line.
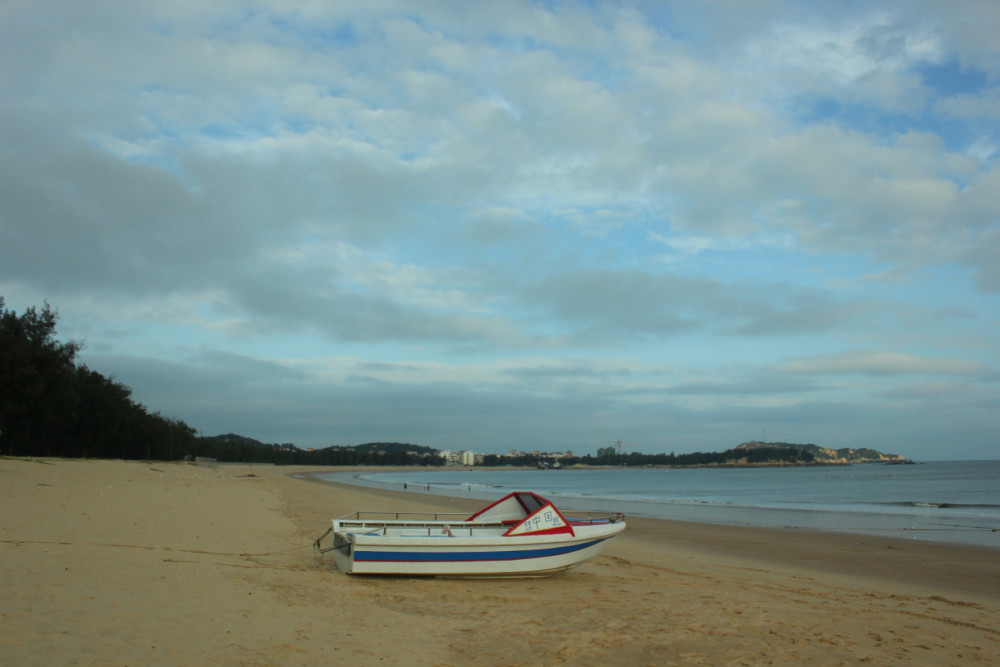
(948,501)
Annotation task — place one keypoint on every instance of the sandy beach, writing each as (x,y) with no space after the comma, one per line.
(135,563)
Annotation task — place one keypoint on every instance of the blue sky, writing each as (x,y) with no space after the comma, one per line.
(520,225)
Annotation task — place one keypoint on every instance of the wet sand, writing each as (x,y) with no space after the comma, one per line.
(129,563)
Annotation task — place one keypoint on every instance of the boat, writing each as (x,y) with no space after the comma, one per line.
(520,535)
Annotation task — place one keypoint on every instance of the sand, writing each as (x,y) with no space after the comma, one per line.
(132,563)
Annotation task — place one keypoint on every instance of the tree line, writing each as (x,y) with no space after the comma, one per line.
(52,406)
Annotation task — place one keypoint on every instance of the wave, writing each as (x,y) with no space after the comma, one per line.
(940,505)
(629,498)
(758,504)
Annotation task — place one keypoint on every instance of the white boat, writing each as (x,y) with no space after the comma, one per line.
(522,534)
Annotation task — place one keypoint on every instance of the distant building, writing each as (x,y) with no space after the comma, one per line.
(468,458)
(452,457)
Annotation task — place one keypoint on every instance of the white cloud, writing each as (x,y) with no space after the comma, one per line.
(880,362)
(984,106)
(681,247)
(856,59)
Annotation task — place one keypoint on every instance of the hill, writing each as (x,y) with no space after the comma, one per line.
(232,447)
(826,454)
(393,448)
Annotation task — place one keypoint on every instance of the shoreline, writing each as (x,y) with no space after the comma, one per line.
(130,562)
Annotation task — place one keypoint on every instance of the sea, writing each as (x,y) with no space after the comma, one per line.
(944,501)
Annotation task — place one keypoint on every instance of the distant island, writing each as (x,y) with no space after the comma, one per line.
(826,454)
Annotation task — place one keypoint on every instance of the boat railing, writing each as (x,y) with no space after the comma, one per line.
(574,516)
(443,524)
(592,518)
(402,528)
(404,516)
(406,524)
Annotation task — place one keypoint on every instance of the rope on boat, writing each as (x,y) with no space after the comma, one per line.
(317,546)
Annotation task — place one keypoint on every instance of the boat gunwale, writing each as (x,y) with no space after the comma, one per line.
(360,517)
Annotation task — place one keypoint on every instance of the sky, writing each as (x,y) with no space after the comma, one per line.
(518,225)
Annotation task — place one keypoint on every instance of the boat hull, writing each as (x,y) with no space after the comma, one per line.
(523,556)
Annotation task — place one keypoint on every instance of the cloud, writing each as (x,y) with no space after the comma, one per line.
(625,304)
(865,58)
(881,363)
(651,215)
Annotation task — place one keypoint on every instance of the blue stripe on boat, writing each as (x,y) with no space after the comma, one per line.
(449,556)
